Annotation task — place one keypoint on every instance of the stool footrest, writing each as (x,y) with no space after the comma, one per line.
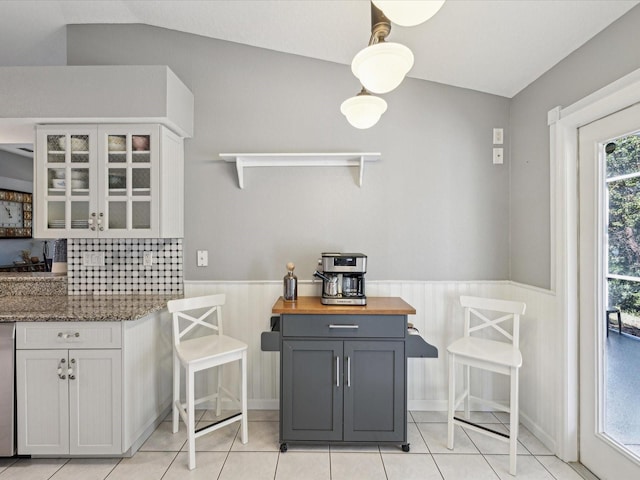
(219,421)
(481,427)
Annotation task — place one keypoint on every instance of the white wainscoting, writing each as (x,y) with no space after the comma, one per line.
(439,320)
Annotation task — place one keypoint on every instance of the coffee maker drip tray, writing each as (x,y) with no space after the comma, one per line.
(344,300)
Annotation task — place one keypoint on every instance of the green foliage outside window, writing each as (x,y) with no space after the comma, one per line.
(624,222)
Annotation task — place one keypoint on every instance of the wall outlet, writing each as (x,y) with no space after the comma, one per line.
(498,136)
(147,259)
(93,259)
(498,156)
(203,258)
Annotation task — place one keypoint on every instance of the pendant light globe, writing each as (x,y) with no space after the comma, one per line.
(364,110)
(382,67)
(409,13)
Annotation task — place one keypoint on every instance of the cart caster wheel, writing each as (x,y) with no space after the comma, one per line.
(405,448)
(283,447)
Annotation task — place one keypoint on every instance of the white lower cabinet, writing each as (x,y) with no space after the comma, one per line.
(91,388)
(71,401)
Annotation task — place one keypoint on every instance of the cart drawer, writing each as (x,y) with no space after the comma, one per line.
(352,326)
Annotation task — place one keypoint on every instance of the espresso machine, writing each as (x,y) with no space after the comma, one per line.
(342,277)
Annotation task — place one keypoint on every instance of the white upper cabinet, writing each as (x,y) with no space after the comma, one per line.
(108,181)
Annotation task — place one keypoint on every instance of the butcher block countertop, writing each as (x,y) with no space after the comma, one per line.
(374,306)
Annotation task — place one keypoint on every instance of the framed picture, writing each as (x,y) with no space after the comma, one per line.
(16,214)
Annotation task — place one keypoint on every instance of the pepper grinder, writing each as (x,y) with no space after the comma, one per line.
(290,284)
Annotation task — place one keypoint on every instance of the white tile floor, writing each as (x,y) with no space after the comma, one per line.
(221,456)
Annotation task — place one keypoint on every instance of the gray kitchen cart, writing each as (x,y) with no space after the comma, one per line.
(343,370)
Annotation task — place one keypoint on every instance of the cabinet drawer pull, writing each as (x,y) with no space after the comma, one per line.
(332,325)
(65,336)
(337,371)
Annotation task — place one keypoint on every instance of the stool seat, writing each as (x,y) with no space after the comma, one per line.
(499,353)
(208,348)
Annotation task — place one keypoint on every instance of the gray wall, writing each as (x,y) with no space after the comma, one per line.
(16,167)
(16,173)
(607,57)
(434,207)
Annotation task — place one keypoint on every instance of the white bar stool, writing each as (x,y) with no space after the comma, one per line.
(492,355)
(202,353)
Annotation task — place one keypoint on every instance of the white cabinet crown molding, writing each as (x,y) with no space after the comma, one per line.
(246,160)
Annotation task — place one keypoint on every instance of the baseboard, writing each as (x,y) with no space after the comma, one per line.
(538,432)
(146,433)
(263,404)
(427,405)
(583,471)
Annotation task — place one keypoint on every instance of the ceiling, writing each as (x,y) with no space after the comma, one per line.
(492,46)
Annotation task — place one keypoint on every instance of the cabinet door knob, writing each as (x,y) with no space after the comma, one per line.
(61,376)
(70,371)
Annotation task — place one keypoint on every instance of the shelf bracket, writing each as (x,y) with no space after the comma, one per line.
(240,170)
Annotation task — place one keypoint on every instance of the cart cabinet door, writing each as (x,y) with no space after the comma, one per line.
(374,391)
(311,390)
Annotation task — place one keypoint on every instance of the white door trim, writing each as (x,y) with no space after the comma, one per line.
(564,124)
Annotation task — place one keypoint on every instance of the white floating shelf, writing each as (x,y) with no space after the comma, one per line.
(247,160)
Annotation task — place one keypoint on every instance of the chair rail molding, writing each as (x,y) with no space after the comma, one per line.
(247,160)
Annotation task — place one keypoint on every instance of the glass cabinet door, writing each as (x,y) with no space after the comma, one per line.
(98,180)
(69,168)
(130,189)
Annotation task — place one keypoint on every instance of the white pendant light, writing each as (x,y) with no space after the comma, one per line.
(364,110)
(408,13)
(382,67)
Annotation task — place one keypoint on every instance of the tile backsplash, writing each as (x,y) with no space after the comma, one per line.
(124,271)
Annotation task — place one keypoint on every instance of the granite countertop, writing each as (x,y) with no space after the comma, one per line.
(79,308)
(42,297)
(32,283)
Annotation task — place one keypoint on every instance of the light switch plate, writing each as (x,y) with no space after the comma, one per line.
(147,259)
(498,136)
(203,258)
